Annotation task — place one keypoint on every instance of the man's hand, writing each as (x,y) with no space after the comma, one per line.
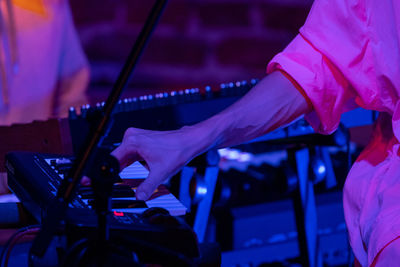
(164,154)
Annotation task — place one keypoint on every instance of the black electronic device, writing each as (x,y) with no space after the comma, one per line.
(35,179)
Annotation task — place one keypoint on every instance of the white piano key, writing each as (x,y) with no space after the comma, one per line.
(134,171)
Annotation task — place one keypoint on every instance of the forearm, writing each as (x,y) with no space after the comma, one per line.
(272,103)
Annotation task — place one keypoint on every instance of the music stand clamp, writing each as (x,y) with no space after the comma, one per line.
(91,153)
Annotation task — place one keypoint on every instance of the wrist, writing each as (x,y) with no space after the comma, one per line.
(202,136)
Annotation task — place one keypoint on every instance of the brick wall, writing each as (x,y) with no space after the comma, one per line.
(196,43)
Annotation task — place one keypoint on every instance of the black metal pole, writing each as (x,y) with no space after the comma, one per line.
(113,98)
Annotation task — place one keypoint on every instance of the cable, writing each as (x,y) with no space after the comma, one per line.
(7,245)
(72,249)
(5,254)
(15,240)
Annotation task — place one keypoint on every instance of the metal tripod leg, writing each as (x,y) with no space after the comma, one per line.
(209,181)
(305,210)
(204,207)
(184,194)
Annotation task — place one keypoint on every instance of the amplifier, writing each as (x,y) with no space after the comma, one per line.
(266,232)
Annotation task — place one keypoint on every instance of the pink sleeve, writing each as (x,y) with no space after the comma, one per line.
(334,61)
(327,90)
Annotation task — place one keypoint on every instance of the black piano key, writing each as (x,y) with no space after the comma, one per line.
(124,203)
(127,204)
(119,191)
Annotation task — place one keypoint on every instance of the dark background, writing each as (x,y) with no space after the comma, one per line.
(196,43)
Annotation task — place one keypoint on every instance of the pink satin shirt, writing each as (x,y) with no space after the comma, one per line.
(347,55)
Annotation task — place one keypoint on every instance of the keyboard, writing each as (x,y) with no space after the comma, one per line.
(148,227)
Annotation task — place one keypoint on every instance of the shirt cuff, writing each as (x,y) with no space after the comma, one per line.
(322,84)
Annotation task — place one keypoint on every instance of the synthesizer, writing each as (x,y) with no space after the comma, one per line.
(35,179)
(161,111)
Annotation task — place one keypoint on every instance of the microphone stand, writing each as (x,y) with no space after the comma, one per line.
(103,166)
